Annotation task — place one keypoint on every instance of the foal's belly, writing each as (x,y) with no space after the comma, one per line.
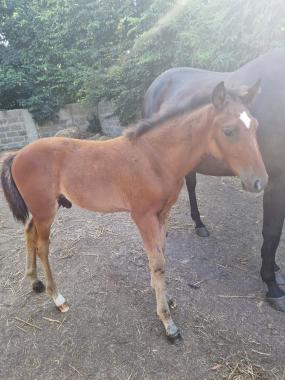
(102,200)
(95,193)
(210,166)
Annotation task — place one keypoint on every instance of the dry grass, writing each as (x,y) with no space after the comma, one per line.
(243,369)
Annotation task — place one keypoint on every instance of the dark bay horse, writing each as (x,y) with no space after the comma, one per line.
(178,86)
(141,173)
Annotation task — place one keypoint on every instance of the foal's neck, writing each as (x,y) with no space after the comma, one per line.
(182,141)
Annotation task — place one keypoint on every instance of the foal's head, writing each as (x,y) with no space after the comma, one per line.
(233,136)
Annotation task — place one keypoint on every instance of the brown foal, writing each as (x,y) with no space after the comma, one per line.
(141,172)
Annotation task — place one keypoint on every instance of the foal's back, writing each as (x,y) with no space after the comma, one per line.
(104,176)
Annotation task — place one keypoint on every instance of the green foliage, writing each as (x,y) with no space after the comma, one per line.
(216,35)
(39,68)
(224,34)
(54,52)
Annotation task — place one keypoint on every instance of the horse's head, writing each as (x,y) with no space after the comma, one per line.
(233,136)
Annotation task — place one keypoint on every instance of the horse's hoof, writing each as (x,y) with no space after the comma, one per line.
(64,307)
(277,303)
(175,338)
(202,231)
(279,277)
(38,287)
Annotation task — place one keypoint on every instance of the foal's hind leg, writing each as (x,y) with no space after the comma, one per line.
(31,266)
(43,231)
(200,228)
(153,235)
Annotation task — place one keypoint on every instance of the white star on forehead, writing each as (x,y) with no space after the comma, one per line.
(245,119)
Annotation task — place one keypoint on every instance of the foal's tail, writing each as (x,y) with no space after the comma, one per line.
(12,195)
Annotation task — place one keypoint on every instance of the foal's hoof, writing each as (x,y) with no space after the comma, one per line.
(172,303)
(175,338)
(173,334)
(64,307)
(38,287)
(202,231)
(277,303)
(279,277)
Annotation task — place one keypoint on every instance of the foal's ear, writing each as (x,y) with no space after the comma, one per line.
(219,96)
(251,93)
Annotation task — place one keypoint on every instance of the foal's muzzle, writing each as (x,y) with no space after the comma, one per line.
(258,185)
(254,184)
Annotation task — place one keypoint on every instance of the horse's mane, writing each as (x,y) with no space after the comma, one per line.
(199,100)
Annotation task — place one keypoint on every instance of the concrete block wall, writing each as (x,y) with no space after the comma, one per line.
(17,129)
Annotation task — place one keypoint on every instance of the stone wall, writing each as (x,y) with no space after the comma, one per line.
(17,127)
(110,123)
(71,115)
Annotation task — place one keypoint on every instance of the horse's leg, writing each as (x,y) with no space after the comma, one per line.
(273,218)
(153,234)
(279,275)
(31,266)
(191,182)
(43,231)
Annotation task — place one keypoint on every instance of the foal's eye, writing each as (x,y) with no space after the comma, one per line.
(229,132)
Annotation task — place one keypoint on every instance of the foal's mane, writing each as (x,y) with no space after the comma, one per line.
(199,100)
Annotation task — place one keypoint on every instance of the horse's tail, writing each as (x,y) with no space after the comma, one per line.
(14,199)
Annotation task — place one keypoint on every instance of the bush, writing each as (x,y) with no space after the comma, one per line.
(56,52)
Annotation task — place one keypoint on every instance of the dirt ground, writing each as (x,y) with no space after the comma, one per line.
(111,330)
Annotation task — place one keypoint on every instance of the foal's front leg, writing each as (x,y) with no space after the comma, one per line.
(153,234)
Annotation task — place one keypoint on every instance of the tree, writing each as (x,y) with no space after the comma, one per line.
(53,52)
(216,35)
(39,68)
